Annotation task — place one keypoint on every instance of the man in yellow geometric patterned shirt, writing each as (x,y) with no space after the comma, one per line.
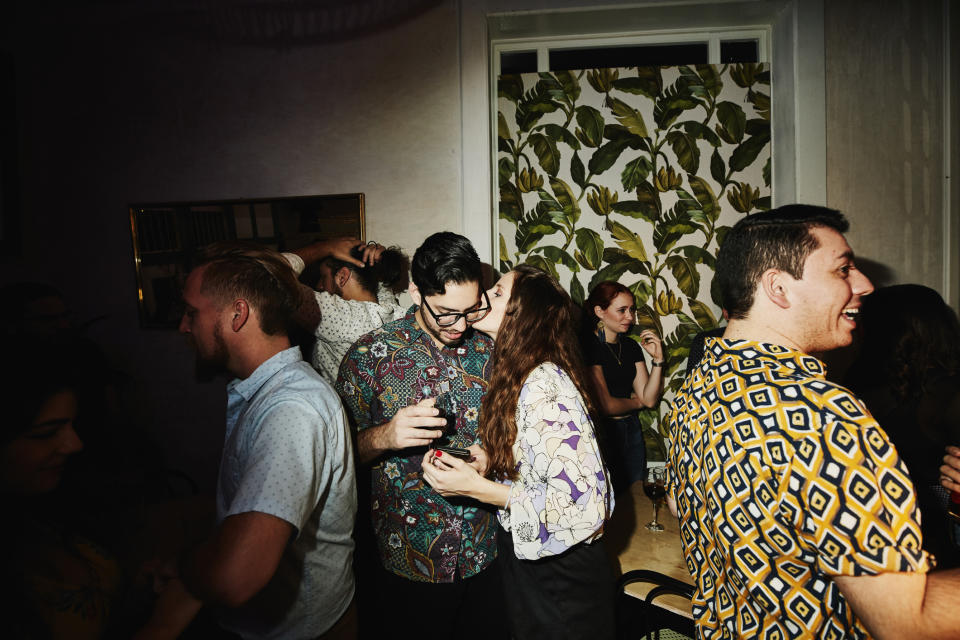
(797,515)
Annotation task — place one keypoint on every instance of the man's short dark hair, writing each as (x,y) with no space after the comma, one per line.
(255,273)
(775,239)
(445,258)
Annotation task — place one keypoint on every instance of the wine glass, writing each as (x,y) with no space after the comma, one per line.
(654,486)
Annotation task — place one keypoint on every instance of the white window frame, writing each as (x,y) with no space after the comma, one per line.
(543,46)
(798,85)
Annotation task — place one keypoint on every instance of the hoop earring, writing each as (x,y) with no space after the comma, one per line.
(601,335)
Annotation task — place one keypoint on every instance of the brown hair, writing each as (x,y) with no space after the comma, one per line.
(255,273)
(601,296)
(776,239)
(539,325)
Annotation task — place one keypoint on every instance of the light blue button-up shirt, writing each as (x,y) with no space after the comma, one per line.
(287,444)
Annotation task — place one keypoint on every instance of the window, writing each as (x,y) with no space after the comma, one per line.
(513,57)
(791,40)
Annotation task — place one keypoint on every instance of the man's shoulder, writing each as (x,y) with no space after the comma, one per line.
(298,383)
(338,309)
(763,382)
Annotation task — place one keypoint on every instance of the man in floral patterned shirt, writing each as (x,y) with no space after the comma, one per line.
(438,554)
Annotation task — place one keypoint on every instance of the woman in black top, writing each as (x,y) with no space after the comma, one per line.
(621,382)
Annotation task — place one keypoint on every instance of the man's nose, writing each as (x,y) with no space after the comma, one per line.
(461,322)
(861,284)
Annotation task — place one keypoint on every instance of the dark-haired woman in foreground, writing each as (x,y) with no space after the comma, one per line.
(59,583)
(551,487)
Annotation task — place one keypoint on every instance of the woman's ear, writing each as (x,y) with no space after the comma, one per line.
(597,311)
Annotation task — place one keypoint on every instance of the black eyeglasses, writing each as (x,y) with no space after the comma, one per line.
(470,315)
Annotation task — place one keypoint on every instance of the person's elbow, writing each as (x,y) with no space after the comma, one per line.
(606,407)
(240,560)
(230,587)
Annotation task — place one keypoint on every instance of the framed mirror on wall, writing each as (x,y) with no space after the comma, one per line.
(167,235)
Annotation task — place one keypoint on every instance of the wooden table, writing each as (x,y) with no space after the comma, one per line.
(636,547)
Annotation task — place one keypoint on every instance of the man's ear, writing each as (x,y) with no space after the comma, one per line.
(342,276)
(241,313)
(414,294)
(774,284)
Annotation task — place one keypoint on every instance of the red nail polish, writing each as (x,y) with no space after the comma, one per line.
(439,453)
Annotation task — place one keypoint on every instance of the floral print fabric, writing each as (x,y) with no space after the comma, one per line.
(421,535)
(561,497)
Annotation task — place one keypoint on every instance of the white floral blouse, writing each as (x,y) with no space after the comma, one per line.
(562,495)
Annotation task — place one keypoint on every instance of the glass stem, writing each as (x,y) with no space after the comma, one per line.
(656,511)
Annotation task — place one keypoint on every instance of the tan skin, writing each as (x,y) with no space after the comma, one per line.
(228,569)
(618,318)
(950,471)
(808,314)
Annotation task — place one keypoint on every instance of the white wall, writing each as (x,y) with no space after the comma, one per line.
(114,112)
(887,137)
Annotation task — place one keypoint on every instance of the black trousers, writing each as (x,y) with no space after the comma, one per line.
(464,609)
(566,596)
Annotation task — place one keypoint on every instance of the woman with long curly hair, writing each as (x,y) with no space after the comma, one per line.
(546,473)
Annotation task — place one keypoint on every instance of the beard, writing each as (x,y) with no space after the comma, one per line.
(436,331)
(209,366)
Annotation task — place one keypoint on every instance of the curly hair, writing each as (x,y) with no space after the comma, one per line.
(539,325)
(391,270)
(909,333)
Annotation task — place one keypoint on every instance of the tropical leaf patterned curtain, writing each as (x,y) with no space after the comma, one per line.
(635,175)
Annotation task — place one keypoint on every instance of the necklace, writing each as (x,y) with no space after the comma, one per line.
(618,353)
